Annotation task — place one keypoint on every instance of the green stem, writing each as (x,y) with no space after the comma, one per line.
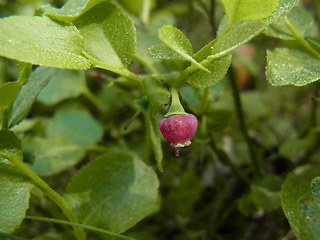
(191,69)
(75,224)
(52,194)
(301,39)
(9,236)
(145,14)
(240,115)
(204,100)
(175,108)
(121,71)
(97,148)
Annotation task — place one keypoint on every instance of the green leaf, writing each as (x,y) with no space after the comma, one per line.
(291,67)
(51,156)
(218,69)
(41,41)
(296,187)
(179,43)
(301,19)
(237,36)
(285,6)
(70,11)
(155,139)
(120,192)
(63,84)
(244,10)
(161,51)
(23,103)
(14,197)
(14,186)
(315,186)
(109,34)
(9,145)
(311,209)
(311,213)
(158,95)
(241,33)
(76,126)
(8,92)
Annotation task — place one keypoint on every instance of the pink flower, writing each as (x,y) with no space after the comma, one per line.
(179,130)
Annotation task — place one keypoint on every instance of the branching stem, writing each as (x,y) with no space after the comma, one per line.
(52,194)
(301,39)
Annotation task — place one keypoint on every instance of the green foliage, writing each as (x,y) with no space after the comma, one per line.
(295,195)
(70,11)
(244,10)
(103,29)
(161,51)
(120,185)
(237,36)
(23,103)
(14,186)
(46,43)
(177,42)
(218,69)
(291,67)
(301,19)
(52,155)
(9,145)
(87,131)
(157,94)
(64,84)
(14,196)
(311,209)
(76,126)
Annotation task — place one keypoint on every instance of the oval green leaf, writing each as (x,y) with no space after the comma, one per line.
(218,69)
(63,85)
(14,185)
(76,126)
(120,191)
(109,34)
(27,96)
(297,186)
(41,41)
(70,11)
(244,10)
(291,67)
